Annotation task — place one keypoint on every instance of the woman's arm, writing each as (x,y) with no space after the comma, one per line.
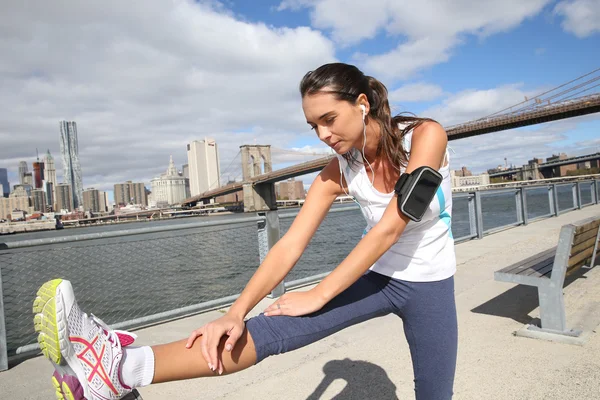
(286,252)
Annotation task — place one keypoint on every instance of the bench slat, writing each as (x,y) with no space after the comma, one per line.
(581,256)
(540,269)
(581,263)
(583,246)
(529,262)
(585,236)
(584,226)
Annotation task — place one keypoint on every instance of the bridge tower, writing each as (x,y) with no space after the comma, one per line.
(257,197)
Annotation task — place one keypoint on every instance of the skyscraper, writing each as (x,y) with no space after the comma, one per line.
(129,192)
(203,162)
(39,200)
(50,175)
(92,201)
(28,179)
(4,182)
(22,171)
(38,174)
(69,150)
(49,168)
(64,197)
(49,189)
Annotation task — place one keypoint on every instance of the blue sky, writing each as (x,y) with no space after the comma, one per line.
(142,81)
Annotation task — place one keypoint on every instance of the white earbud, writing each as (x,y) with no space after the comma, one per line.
(364,110)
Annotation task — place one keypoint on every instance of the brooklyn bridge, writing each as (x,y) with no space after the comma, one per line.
(571,99)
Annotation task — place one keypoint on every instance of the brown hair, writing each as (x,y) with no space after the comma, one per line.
(347,82)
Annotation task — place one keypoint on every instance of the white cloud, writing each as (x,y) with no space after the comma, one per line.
(142,80)
(412,92)
(471,104)
(427,31)
(581,17)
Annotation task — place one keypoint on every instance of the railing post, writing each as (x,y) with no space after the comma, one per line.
(521,201)
(576,196)
(478,215)
(554,200)
(595,188)
(3,344)
(268,235)
(472,216)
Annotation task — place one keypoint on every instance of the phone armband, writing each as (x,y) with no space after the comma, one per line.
(415,191)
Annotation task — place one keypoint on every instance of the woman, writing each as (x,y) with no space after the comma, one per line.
(399,266)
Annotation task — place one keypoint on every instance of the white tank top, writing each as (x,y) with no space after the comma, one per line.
(425,250)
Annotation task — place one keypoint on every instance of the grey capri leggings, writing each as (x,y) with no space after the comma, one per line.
(427,309)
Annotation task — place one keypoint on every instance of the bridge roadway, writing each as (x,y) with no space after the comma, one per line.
(550,164)
(372,361)
(560,110)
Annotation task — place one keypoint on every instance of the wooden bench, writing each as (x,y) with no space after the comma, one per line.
(577,248)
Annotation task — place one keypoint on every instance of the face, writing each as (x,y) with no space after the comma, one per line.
(337,123)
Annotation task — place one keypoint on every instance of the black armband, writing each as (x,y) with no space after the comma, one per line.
(416,190)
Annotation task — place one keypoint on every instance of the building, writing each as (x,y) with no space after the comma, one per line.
(563,169)
(50,172)
(463,172)
(38,174)
(107,205)
(471,180)
(22,171)
(130,193)
(203,163)
(7,206)
(185,171)
(48,187)
(21,191)
(92,201)
(64,197)
(39,200)
(4,184)
(69,150)
(290,190)
(28,179)
(169,188)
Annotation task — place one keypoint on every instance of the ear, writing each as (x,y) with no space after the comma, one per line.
(362,100)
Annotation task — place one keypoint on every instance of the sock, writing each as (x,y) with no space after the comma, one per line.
(137,366)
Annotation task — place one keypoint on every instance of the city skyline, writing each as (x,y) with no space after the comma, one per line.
(135,111)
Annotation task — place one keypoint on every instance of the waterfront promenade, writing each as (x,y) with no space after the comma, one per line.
(371,360)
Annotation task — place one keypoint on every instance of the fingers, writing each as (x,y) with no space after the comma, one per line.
(193,336)
(205,355)
(212,343)
(276,307)
(234,334)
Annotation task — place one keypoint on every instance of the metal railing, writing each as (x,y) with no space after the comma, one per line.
(138,277)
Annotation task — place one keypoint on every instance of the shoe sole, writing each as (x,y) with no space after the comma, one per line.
(67,387)
(48,308)
(44,321)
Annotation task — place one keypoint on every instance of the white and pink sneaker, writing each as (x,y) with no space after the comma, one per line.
(85,352)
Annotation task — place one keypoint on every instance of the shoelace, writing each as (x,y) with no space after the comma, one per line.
(109,333)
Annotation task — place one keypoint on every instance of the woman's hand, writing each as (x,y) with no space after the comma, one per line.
(296,304)
(229,325)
